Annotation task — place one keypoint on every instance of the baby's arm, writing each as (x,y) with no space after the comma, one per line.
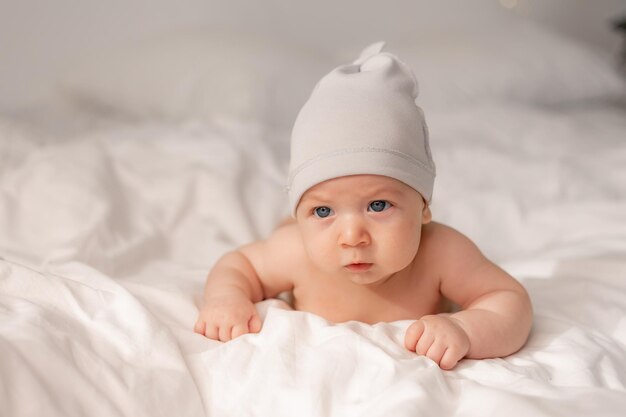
(496,314)
(237,281)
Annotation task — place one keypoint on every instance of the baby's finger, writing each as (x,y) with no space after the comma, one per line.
(199,327)
(424,343)
(225,333)
(413,334)
(212,332)
(450,359)
(239,329)
(254,325)
(436,351)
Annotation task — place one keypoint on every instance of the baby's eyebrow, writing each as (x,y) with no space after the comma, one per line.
(384,190)
(371,193)
(317,197)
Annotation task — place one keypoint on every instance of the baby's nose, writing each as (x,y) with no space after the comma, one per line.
(353,233)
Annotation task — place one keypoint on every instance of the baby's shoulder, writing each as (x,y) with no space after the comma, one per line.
(444,245)
(276,258)
(287,233)
(285,244)
(439,233)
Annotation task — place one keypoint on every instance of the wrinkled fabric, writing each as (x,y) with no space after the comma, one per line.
(106,238)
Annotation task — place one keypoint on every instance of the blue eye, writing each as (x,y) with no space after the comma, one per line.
(323,211)
(379,205)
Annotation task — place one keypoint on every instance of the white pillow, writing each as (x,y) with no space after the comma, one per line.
(514,61)
(201,74)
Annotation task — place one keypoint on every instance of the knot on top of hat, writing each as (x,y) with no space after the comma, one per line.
(392,71)
(369,51)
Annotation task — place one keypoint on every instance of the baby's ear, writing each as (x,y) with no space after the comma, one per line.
(427,215)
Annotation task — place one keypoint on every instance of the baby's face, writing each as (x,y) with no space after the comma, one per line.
(362,227)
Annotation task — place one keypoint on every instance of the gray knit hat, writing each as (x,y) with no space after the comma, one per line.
(362,118)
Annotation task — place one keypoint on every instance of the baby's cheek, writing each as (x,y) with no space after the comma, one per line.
(401,252)
(321,255)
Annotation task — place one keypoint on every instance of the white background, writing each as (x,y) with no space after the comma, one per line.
(39,40)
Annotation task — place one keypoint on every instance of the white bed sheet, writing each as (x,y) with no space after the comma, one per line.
(106,238)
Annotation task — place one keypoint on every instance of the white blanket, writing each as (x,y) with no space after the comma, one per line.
(106,240)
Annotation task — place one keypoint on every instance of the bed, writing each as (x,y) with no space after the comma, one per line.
(116,201)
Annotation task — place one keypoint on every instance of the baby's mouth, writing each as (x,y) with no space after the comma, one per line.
(359,267)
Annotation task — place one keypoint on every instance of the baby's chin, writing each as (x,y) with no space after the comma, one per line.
(377,274)
(362,280)
(368,278)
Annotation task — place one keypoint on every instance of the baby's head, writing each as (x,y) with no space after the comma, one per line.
(362,118)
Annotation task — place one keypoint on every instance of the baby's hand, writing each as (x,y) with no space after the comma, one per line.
(227,317)
(438,337)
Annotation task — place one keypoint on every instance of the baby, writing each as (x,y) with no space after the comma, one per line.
(362,245)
